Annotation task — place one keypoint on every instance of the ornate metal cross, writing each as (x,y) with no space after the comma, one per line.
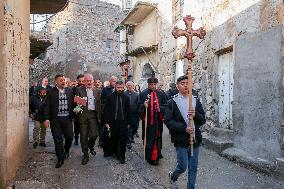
(189,33)
(189,54)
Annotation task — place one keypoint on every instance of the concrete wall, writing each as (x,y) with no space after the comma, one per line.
(14,87)
(145,34)
(258,93)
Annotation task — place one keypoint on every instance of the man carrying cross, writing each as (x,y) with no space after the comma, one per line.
(176,119)
(184,113)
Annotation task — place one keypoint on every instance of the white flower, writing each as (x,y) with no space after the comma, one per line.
(78,109)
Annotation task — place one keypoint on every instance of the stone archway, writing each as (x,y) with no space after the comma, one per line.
(147,72)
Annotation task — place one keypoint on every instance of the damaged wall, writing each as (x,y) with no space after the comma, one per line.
(226,22)
(162,60)
(14,86)
(80,35)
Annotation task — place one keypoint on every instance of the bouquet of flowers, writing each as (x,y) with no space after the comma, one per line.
(80,103)
(109,133)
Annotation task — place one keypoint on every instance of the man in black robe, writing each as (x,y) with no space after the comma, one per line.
(116,121)
(155,102)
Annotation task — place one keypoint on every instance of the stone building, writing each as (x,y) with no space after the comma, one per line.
(82,41)
(238,69)
(151,46)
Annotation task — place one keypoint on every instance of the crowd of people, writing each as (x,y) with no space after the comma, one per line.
(88,111)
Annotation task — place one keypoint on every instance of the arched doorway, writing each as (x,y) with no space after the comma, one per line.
(147,72)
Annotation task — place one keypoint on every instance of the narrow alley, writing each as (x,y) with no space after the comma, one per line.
(214,172)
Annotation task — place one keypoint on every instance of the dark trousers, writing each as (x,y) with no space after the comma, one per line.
(132,130)
(115,142)
(88,130)
(62,127)
(76,129)
(101,134)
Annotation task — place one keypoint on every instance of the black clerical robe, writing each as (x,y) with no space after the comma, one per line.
(154,129)
(117,115)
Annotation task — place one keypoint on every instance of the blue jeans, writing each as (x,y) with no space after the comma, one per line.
(184,161)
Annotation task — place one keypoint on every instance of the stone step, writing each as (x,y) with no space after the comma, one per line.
(275,168)
(216,144)
(30,185)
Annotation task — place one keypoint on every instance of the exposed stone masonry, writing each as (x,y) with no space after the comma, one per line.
(80,35)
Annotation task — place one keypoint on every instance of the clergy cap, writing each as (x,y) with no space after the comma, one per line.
(152,80)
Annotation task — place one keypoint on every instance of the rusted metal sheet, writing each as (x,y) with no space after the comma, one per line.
(47,6)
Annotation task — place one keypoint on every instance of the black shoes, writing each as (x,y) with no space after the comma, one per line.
(93,152)
(76,142)
(85,159)
(35,145)
(42,144)
(59,163)
(66,155)
(160,156)
(129,146)
(121,160)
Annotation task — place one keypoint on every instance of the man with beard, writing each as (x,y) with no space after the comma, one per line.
(80,83)
(89,118)
(58,113)
(116,121)
(105,93)
(153,102)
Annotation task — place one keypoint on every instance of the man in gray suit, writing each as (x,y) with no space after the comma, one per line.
(89,118)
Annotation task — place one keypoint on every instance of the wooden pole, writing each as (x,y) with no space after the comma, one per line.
(145,132)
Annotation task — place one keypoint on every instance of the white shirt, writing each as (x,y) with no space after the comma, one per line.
(184,103)
(91,99)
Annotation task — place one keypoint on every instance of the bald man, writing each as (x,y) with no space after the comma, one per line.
(105,93)
(133,97)
(90,117)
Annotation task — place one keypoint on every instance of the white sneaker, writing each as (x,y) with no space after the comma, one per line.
(173,184)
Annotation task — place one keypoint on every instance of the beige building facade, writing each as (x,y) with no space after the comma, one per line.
(151,48)
(14,86)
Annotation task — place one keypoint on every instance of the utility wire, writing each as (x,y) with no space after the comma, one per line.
(66,4)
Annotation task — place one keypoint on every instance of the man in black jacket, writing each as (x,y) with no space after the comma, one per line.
(133,98)
(58,113)
(116,121)
(176,120)
(80,81)
(105,93)
(37,103)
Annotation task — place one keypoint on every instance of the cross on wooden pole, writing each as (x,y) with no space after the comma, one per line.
(189,54)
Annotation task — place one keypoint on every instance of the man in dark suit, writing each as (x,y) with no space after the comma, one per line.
(58,113)
(105,93)
(80,83)
(116,121)
(89,118)
(176,119)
